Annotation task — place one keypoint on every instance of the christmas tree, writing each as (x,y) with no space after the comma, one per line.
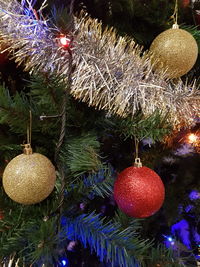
(84,98)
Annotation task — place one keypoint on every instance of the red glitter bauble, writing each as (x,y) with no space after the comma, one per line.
(139,192)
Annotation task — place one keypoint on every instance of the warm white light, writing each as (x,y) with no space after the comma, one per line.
(192,138)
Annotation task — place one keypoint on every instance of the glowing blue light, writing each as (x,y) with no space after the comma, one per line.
(188,208)
(197,257)
(170,239)
(181,230)
(64,262)
(194,194)
(169,242)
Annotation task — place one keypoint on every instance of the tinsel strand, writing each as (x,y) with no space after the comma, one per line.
(110,72)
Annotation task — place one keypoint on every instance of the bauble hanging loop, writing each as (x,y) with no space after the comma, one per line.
(27,149)
(137,163)
(175,26)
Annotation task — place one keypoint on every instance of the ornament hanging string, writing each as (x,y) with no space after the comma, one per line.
(27,146)
(29,128)
(136,147)
(175,14)
(137,162)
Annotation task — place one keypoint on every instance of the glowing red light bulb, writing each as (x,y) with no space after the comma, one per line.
(64,41)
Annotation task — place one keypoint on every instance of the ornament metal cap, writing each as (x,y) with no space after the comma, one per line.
(137,163)
(27,149)
(175,26)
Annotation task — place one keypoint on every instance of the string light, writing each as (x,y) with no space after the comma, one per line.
(192,138)
(64,262)
(170,240)
(194,195)
(64,41)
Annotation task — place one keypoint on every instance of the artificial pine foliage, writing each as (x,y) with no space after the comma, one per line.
(96,147)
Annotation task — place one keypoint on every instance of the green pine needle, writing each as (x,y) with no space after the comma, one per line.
(119,247)
(155,126)
(80,155)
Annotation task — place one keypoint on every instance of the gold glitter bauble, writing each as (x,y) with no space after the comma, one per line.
(29,179)
(175,51)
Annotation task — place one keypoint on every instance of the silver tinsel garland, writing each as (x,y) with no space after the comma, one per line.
(110,72)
